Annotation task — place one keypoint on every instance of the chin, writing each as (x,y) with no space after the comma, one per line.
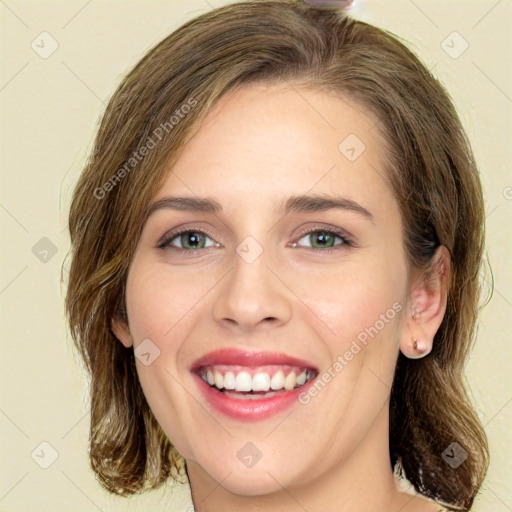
(254,481)
(250,484)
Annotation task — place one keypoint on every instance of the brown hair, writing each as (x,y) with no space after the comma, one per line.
(433,175)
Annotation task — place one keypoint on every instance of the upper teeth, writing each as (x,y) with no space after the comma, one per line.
(262,379)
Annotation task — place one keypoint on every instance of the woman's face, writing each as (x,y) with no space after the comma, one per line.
(332,301)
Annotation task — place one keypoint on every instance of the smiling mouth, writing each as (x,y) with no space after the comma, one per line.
(248,383)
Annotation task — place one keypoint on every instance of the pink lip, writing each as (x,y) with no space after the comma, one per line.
(252,359)
(248,410)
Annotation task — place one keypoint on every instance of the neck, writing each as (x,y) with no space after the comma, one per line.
(363,481)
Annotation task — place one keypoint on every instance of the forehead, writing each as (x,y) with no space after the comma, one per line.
(264,142)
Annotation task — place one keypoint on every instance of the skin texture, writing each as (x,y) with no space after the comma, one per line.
(261,145)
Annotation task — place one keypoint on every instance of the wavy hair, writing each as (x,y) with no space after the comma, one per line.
(433,175)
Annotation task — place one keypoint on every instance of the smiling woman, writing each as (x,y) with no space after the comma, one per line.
(284,310)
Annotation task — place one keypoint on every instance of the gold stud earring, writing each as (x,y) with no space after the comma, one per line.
(420,349)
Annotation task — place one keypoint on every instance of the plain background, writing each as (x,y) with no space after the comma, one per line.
(50,110)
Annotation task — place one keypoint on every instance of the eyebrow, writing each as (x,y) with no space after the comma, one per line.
(298,203)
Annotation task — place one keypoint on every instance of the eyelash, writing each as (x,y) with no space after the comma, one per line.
(346,240)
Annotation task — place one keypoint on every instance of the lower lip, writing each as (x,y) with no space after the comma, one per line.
(252,409)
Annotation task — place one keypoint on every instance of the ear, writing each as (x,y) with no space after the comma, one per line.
(428,297)
(119,326)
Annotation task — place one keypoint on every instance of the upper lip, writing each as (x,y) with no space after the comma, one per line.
(249,358)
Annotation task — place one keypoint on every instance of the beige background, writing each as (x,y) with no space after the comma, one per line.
(50,109)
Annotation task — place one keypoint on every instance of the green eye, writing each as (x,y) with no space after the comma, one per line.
(323,239)
(187,240)
(192,240)
(196,240)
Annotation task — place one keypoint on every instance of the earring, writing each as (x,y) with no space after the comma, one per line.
(415,314)
(420,349)
(417,349)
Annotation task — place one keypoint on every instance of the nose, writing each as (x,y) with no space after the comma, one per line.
(252,296)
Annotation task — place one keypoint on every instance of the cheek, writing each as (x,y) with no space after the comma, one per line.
(158,300)
(157,311)
(351,298)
